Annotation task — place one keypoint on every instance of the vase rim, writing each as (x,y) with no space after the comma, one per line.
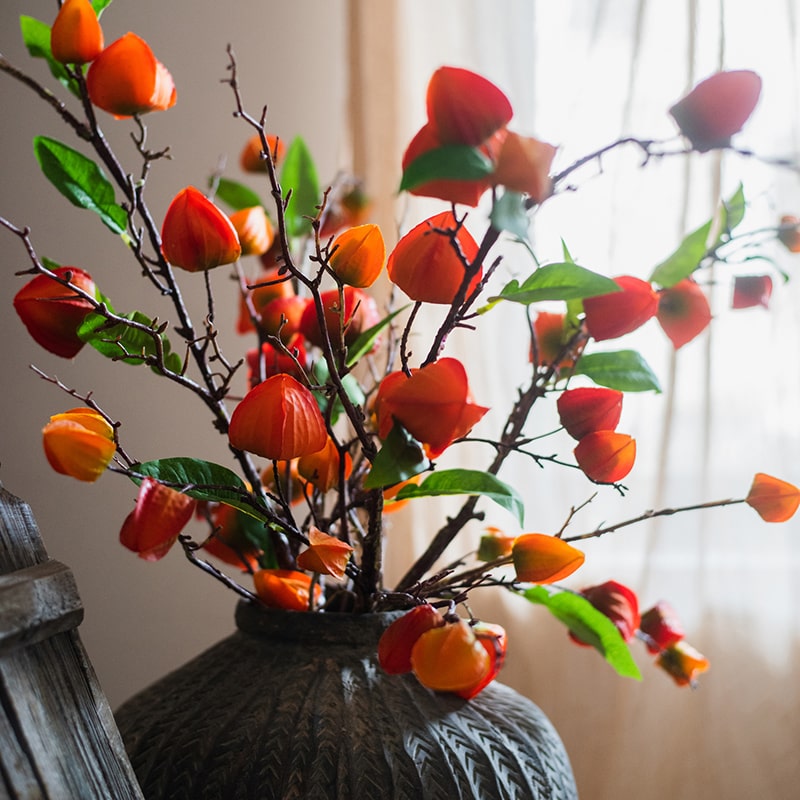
(311,627)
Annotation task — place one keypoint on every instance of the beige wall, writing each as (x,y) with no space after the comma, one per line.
(143,619)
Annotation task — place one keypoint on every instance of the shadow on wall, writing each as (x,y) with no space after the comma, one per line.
(143,619)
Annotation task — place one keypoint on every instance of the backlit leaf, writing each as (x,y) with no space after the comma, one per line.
(733,210)
(589,624)
(235,195)
(469,482)
(449,162)
(366,340)
(624,370)
(685,260)
(508,214)
(300,176)
(691,251)
(401,457)
(560,281)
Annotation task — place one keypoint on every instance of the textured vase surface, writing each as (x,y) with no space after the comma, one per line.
(294,705)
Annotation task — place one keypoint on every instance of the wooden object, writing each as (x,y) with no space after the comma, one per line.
(58,738)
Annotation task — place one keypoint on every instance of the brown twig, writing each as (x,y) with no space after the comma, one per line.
(662,512)
(189,550)
(88,401)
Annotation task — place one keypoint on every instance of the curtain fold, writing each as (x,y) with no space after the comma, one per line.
(580,74)
(373,76)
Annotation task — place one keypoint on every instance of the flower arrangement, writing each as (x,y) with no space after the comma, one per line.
(341,422)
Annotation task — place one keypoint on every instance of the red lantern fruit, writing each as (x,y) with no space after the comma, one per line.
(494,640)
(433,405)
(464,107)
(358,255)
(278,419)
(396,642)
(682,663)
(153,526)
(127,79)
(618,603)
(79,443)
(717,108)
(325,554)
(52,312)
(661,627)
(428,263)
(774,500)
(358,314)
(196,235)
(450,658)
(606,456)
(751,290)
(539,558)
(617,313)
(285,588)
(589,409)
(683,312)
(523,165)
(76,36)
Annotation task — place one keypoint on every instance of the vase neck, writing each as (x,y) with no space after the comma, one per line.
(312,628)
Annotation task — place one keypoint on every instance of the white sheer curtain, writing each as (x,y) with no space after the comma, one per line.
(581,73)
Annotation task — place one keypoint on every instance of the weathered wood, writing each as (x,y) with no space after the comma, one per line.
(36,603)
(58,738)
(20,543)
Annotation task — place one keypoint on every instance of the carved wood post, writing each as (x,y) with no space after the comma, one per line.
(58,738)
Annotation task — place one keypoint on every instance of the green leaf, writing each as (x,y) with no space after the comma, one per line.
(354,392)
(300,176)
(685,260)
(36,37)
(733,210)
(691,251)
(259,534)
(203,480)
(574,306)
(235,195)
(101,298)
(560,281)
(450,162)
(54,265)
(508,214)
(624,370)
(364,343)
(210,482)
(352,389)
(588,624)
(124,343)
(99,5)
(80,180)
(401,457)
(471,482)
(574,313)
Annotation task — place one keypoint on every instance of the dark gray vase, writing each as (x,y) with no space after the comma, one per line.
(294,705)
